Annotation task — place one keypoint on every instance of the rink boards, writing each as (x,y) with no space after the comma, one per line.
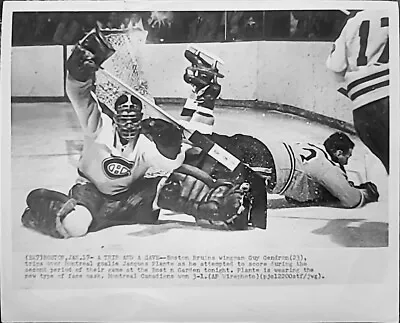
(46,156)
(291,73)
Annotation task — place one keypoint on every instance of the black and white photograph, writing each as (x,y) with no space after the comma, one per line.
(212,150)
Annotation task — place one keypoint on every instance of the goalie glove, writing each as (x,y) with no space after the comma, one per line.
(88,55)
(166,136)
(192,191)
(370,192)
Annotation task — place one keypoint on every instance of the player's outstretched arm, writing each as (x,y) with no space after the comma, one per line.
(79,85)
(82,64)
(84,104)
(349,196)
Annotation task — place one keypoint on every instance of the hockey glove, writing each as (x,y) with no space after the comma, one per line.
(88,55)
(370,191)
(192,191)
(166,136)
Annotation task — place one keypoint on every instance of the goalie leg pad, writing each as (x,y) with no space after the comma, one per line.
(45,211)
(202,117)
(131,207)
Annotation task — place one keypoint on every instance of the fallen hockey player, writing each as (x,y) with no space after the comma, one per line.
(305,173)
(118,193)
(120,147)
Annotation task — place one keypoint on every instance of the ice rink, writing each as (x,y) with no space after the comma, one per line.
(46,139)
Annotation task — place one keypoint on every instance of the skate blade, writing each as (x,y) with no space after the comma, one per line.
(206,70)
(198,50)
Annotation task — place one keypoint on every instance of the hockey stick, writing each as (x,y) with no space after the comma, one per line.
(217,152)
(199,50)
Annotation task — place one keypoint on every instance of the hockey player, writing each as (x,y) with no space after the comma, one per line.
(304,173)
(119,148)
(198,111)
(310,174)
(360,57)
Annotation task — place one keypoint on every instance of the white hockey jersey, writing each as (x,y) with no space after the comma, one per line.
(305,171)
(361,53)
(104,161)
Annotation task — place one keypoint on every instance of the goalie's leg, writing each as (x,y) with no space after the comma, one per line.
(203,118)
(87,210)
(198,111)
(132,207)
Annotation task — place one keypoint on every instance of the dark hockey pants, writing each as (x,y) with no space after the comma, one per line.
(371,122)
(132,207)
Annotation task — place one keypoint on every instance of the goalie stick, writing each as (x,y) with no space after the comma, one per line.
(96,40)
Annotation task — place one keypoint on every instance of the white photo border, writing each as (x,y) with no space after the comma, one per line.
(340,302)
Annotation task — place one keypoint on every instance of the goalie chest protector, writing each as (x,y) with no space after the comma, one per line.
(112,167)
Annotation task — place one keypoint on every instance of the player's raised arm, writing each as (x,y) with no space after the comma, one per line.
(80,82)
(82,65)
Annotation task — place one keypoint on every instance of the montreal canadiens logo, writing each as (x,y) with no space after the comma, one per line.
(117,167)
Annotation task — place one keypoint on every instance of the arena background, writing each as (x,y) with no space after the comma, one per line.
(276,88)
(301,85)
(285,74)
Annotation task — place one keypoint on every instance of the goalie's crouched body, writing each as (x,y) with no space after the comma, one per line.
(217,204)
(120,148)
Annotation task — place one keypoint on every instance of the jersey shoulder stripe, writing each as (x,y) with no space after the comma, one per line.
(324,153)
(292,168)
(329,159)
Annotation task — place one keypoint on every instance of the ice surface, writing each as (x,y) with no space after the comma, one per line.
(46,139)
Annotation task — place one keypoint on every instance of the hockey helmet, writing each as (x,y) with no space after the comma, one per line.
(128,116)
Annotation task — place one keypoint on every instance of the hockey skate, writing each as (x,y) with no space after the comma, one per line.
(198,51)
(203,63)
(202,75)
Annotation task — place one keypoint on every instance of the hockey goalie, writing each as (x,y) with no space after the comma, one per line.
(121,147)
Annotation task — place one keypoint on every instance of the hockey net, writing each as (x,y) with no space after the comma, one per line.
(125,64)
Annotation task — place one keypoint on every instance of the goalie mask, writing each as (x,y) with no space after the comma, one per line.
(128,116)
